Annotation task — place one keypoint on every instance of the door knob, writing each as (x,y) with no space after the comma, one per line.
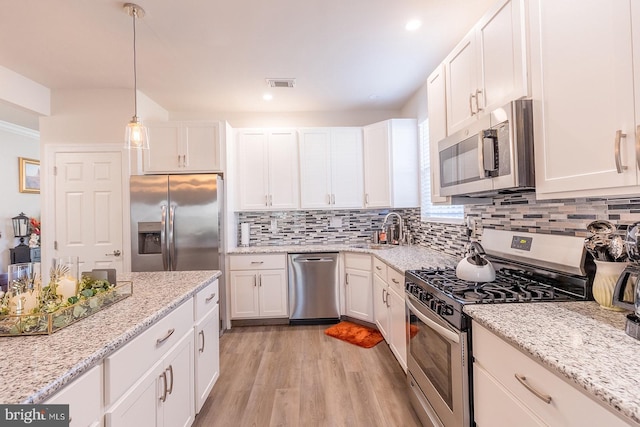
(115,253)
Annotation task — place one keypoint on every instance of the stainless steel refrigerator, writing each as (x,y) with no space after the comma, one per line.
(176,222)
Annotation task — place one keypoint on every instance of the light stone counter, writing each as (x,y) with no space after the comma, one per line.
(33,368)
(401,258)
(580,341)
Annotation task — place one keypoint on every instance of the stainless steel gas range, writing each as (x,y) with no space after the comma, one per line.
(529,268)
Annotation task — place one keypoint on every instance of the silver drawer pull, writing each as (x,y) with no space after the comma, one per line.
(201,349)
(170,369)
(523,380)
(166,337)
(163,398)
(210,297)
(378,267)
(257,262)
(395,281)
(619,166)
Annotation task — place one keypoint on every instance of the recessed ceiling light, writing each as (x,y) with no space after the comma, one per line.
(267,97)
(413,25)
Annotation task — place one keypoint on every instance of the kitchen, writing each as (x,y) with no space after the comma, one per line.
(562,203)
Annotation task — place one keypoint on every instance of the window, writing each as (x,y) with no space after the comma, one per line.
(430,212)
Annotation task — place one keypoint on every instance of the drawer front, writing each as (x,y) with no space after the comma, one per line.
(357,261)
(380,268)
(124,367)
(206,299)
(257,262)
(396,281)
(569,406)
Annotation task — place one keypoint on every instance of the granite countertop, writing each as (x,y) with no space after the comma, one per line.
(39,366)
(583,343)
(401,258)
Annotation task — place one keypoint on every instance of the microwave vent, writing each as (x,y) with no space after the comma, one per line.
(281,82)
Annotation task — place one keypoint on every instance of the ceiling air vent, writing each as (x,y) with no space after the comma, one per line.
(281,82)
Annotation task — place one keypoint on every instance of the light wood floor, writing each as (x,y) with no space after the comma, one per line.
(297,376)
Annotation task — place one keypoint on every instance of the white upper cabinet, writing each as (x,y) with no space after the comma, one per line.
(331,168)
(488,68)
(583,90)
(391,164)
(267,163)
(183,147)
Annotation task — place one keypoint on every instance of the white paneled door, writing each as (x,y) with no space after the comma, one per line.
(88,208)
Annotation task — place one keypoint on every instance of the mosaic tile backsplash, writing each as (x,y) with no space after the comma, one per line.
(517,212)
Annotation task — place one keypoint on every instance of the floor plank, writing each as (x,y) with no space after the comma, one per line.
(294,376)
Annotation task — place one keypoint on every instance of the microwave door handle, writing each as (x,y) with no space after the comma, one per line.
(481,155)
(163,237)
(442,331)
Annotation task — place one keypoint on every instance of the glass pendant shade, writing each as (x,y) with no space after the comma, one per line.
(136,136)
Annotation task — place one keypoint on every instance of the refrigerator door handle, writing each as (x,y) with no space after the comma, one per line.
(172,237)
(163,237)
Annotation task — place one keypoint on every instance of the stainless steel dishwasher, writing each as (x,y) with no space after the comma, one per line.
(314,288)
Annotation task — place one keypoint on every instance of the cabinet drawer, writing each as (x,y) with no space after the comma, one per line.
(206,299)
(257,262)
(358,261)
(125,366)
(569,406)
(396,280)
(380,268)
(84,397)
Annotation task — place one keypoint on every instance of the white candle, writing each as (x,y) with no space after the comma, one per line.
(67,287)
(22,229)
(25,302)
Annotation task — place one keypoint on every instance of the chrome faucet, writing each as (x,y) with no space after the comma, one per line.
(401,222)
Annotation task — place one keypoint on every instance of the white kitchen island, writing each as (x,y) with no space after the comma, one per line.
(34,368)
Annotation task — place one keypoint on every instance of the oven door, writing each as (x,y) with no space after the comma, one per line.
(438,360)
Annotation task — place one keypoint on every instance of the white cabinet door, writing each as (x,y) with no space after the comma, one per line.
(461,83)
(583,89)
(283,170)
(165,147)
(359,294)
(202,147)
(272,285)
(178,408)
(84,397)
(346,168)
(315,168)
(253,170)
(437,107)
(244,294)
(380,309)
(207,355)
(140,405)
(398,326)
(377,190)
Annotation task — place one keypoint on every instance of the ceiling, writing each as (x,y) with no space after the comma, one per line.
(214,55)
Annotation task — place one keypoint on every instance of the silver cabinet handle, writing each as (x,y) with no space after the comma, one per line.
(163,376)
(523,380)
(166,337)
(270,199)
(333,199)
(346,279)
(384,299)
(210,297)
(255,280)
(184,160)
(395,281)
(478,108)
(259,279)
(378,267)
(201,349)
(328,199)
(170,369)
(638,146)
(471,97)
(257,262)
(619,136)
(366,198)
(179,165)
(266,200)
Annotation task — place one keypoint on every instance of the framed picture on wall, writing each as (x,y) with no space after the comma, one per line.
(29,175)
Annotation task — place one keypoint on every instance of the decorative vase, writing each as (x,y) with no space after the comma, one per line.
(604,282)
(24,283)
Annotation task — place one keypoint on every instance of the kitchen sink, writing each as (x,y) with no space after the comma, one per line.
(373,246)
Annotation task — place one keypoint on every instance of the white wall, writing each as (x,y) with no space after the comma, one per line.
(15,142)
(416,106)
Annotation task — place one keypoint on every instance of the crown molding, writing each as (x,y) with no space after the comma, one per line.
(19,130)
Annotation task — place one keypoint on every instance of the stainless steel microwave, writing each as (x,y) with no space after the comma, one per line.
(493,155)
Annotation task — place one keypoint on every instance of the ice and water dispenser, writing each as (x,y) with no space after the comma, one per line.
(149,240)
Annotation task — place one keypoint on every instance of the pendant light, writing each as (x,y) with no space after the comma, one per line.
(135,133)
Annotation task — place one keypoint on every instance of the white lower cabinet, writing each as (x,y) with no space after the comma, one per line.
(84,397)
(207,355)
(163,396)
(258,286)
(358,287)
(527,393)
(389,309)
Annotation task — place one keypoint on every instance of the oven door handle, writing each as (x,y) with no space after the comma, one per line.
(441,330)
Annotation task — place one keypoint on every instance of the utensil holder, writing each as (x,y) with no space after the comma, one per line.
(604,282)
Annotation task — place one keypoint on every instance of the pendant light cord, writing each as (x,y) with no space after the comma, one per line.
(134,14)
